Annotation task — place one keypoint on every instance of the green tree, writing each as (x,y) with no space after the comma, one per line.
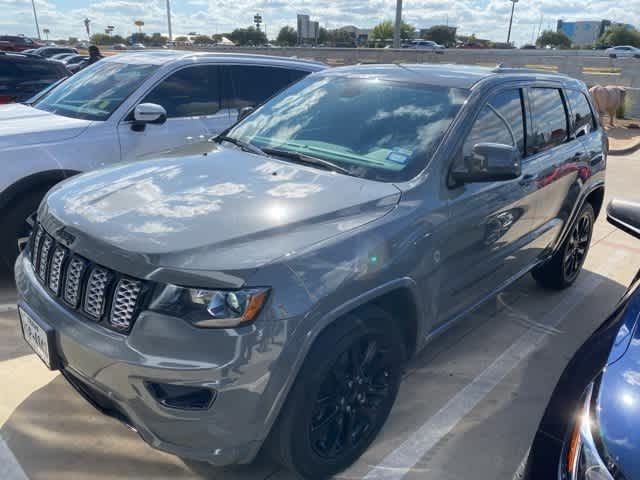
(553,39)
(72,40)
(158,40)
(248,36)
(181,39)
(201,40)
(441,34)
(619,35)
(287,36)
(384,30)
(140,37)
(101,39)
(338,38)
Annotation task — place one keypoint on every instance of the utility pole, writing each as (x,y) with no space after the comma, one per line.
(35,16)
(396,29)
(513,7)
(169,20)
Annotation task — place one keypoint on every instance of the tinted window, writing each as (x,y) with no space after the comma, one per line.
(500,121)
(189,92)
(39,70)
(550,118)
(249,85)
(374,128)
(8,71)
(295,75)
(582,117)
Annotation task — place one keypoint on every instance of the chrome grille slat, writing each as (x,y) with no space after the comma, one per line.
(84,286)
(125,300)
(94,297)
(55,270)
(43,258)
(72,285)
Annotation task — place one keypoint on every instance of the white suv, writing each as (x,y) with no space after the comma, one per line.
(124,108)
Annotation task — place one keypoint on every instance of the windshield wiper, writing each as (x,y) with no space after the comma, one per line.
(247,147)
(307,159)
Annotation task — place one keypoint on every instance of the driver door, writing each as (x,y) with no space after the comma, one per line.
(191,98)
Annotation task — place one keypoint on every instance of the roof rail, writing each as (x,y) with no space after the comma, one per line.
(500,68)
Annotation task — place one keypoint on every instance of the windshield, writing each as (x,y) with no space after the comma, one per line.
(95,92)
(378,129)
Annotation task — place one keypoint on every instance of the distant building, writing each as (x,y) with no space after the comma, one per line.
(308,30)
(585,33)
(360,36)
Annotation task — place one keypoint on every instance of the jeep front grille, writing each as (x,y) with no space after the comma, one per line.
(103,295)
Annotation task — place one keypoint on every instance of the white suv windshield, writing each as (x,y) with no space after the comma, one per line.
(379,129)
(95,92)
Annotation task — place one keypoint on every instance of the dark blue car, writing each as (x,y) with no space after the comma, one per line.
(591,428)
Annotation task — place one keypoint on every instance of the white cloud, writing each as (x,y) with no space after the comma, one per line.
(485,18)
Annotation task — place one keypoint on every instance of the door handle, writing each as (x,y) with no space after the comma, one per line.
(526,180)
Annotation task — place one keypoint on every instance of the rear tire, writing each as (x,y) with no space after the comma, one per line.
(563,268)
(341,397)
(14,225)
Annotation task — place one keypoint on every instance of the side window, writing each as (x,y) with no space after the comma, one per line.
(33,70)
(190,92)
(249,85)
(550,118)
(500,121)
(295,75)
(582,121)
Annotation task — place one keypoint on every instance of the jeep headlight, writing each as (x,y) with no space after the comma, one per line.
(581,459)
(211,308)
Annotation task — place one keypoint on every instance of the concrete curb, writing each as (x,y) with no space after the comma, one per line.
(626,150)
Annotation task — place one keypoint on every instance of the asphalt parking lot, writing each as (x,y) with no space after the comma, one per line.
(468,407)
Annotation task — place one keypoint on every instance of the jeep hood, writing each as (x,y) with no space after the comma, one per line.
(22,125)
(222,210)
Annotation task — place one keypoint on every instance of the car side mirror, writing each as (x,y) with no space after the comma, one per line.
(245,112)
(489,162)
(625,215)
(148,113)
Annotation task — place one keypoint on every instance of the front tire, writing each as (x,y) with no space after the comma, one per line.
(342,396)
(13,225)
(563,268)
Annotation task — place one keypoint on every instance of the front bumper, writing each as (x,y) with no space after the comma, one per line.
(112,370)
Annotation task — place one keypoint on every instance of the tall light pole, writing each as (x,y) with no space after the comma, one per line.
(396,27)
(513,7)
(169,19)
(35,16)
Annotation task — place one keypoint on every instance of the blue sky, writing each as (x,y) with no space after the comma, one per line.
(485,18)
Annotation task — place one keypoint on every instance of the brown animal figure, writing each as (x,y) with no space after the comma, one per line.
(608,100)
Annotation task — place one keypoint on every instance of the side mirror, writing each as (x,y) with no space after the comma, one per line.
(489,162)
(245,112)
(625,215)
(145,113)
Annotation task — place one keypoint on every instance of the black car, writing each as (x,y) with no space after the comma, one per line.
(48,52)
(591,428)
(24,75)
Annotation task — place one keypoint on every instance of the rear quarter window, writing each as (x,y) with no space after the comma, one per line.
(582,118)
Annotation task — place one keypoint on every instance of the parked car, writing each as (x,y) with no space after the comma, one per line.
(590,427)
(137,46)
(528,46)
(62,56)
(623,51)
(425,44)
(47,52)
(17,43)
(22,76)
(272,283)
(119,46)
(75,59)
(100,116)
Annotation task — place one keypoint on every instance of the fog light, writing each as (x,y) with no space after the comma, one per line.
(180,396)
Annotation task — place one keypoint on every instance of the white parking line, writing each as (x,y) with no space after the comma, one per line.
(399,462)
(8,307)
(10,469)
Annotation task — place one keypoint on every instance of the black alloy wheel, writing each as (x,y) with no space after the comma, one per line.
(351,398)
(577,246)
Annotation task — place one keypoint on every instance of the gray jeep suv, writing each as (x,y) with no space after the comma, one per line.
(266,287)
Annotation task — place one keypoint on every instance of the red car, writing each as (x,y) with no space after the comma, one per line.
(17,43)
